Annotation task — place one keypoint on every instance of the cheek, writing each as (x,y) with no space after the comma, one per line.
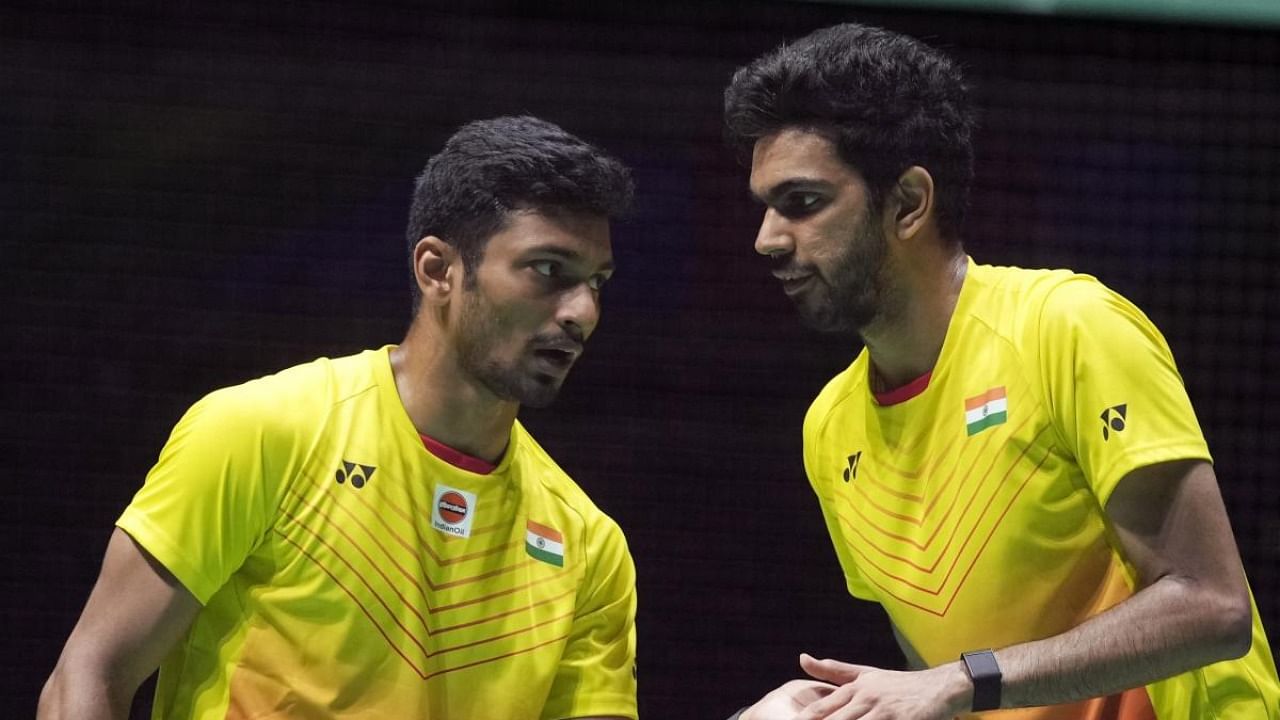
(827,245)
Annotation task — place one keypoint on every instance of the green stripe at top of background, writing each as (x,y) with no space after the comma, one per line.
(1246,13)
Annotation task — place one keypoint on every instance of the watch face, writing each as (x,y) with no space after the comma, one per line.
(984,671)
(981,664)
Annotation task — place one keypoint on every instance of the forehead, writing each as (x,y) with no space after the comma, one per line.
(574,236)
(797,155)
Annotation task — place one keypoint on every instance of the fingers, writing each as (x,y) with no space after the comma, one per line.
(832,671)
(839,705)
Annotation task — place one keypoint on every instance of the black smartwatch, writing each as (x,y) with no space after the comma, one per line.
(985,674)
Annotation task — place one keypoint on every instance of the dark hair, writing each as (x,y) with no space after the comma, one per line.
(886,100)
(489,168)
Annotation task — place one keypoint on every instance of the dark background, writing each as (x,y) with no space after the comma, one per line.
(192,197)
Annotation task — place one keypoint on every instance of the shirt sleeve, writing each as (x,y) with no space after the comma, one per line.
(1114,391)
(597,672)
(210,498)
(814,463)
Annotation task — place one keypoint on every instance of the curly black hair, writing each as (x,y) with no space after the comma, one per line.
(489,168)
(886,100)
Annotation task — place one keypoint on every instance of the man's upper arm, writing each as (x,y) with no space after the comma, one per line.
(135,614)
(596,674)
(1112,386)
(1170,521)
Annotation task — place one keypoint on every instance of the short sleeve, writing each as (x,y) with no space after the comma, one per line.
(211,497)
(813,424)
(597,671)
(1113,389)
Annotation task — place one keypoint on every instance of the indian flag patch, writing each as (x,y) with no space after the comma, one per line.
(544,544)
(986,410)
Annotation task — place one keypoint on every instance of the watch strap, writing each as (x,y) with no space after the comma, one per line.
(984,671)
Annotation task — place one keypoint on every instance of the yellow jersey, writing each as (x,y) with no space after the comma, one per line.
(346,571)
(971,506)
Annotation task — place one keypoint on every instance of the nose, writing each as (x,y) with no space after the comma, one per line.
(774,237)
(579,311)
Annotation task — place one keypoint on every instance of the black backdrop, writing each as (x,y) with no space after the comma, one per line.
(191,197)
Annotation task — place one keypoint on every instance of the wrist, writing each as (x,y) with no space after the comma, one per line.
(955,686)
(986,679)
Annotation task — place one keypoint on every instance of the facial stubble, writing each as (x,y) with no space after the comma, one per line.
(857,284)
(482,327)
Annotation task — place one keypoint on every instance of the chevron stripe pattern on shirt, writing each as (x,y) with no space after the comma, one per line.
(975,512)
(364,576)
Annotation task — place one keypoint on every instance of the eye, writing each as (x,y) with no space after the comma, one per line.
(799,204)
(595,282)
(546,268)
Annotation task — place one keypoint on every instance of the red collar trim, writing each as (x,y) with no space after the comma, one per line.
(457,458)
(904,393)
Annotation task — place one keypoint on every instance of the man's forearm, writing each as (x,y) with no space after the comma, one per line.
(1166,629)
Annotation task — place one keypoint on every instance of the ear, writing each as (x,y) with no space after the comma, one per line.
(911,202)
(434,269)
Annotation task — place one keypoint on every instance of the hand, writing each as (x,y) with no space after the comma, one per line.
(784,702)
(867,692)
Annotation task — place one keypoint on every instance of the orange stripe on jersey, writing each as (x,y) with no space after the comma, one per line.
(408,634)
(503,636)
(938,494)
(381,631)
(481,621)
(422,541)
(546,532)
(913,474)
(407,603)
(978,401)
(999,521)
(482,598)
(937,592)
(531,648)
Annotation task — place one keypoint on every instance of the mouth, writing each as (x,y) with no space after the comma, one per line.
(793,283)
(557,359)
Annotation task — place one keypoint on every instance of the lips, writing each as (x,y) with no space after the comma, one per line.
(559,357)
(792,284)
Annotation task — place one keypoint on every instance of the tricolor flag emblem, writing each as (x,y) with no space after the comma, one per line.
(544,544)
(986,410)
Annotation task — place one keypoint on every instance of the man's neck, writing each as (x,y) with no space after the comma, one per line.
(444,403)
(905,341)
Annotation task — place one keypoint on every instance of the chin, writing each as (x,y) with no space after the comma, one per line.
(539,399)
(538,392)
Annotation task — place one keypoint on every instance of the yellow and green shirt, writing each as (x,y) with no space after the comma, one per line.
(345,571)
(971,507)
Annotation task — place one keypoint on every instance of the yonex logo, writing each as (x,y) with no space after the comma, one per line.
(851,472)
(1113,418)
(358,474)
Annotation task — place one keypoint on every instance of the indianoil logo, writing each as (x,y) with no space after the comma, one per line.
(452,507)
(452,511)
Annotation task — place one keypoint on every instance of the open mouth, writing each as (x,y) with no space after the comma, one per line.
(793,284)
(555,357)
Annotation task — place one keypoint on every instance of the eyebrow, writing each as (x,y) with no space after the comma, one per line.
(569,255)
(786,186)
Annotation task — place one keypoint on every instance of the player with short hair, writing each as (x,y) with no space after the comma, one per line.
(377,536)
(1011,467)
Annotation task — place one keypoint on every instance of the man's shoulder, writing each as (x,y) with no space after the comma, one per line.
(1020,303)
(297,395)
(1018,288)
(557,487)
(848,386)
